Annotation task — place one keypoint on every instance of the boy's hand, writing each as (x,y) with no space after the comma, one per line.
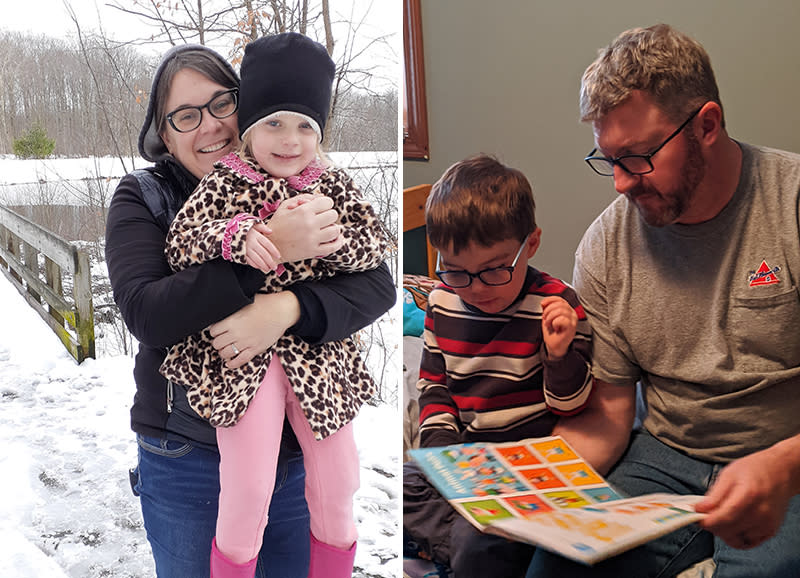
(260,252)
(559,322)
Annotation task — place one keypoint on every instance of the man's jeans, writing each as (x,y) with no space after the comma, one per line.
(178,485)
(650,466)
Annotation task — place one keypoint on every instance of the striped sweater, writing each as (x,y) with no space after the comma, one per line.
(486,377)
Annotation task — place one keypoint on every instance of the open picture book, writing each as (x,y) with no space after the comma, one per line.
(540,491)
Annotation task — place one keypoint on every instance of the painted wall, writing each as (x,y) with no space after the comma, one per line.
(503,77)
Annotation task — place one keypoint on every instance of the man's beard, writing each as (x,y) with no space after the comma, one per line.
(673,205)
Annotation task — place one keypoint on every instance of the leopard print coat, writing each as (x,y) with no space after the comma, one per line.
(330,379)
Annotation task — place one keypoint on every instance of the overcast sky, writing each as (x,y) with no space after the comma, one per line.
(51,18)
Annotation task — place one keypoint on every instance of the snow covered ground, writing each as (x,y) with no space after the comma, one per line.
(66,508)
(23,180)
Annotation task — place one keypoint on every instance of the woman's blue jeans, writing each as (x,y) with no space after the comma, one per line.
(651,466)
(178,485)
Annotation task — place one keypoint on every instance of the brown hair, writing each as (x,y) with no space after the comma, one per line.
(204,62)
(668,65)
(479,200)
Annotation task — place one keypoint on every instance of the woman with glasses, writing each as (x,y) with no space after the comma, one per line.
(191,123)
(506,350)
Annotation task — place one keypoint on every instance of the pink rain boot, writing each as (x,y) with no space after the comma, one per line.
(330,562)
(222,567)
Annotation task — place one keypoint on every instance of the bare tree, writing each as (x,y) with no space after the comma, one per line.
(231,24)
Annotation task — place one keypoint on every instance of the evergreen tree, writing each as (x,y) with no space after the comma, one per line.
(34,144)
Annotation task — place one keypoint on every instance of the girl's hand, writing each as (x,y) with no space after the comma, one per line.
(260,252)
(254,328)
(305,227)
(559,323)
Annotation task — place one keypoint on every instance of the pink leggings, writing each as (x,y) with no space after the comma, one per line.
(248,458)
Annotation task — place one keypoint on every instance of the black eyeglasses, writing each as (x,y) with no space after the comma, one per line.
(494,276)
(188,118)
(632,164)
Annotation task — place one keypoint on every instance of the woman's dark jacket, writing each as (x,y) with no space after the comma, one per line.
(160,308)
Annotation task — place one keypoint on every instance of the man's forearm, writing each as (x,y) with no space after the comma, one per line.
(788,451)
(600,433)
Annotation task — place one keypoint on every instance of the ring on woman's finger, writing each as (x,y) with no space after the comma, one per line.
(235,349)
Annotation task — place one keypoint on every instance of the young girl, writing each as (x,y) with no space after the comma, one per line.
(284,100)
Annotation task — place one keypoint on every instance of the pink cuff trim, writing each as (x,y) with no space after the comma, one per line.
(264,212)
(231,228)
(268,208)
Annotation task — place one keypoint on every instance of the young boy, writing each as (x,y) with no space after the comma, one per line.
(506,352)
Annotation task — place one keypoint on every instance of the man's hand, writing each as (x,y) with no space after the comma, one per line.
(748,501)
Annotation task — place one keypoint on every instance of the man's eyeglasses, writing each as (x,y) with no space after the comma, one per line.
(494,276)
(188,118)
(632,164)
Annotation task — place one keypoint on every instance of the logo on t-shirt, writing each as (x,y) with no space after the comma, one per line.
(764,275)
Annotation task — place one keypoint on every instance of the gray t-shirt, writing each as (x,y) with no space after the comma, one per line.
(707,316)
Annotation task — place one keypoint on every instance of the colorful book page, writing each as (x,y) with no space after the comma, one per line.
(467,471)
(567,499)
(579,474)
(595,528)
(528,506)
(542,478)
(604,494)
(555,451)
(518,456)
(486,511)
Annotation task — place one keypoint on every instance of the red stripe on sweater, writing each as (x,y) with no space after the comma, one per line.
(516,348)
(433,408)
(515,399)
(434,377)
(550,286)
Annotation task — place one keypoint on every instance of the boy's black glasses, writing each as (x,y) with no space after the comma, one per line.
(632,164)
(494,276)
(188,118)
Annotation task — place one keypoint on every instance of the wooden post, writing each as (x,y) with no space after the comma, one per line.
(32,264)
(52,275)
(84,308)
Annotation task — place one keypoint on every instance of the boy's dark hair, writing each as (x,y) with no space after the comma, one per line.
(479,200)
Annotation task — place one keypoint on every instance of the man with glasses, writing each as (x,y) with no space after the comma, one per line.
(690,281)
(506,350)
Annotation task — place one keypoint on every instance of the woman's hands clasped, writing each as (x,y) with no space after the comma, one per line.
(302,227)
(305,227)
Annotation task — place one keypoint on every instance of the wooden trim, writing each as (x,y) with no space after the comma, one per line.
(21,243)
(414,199)
(415,119)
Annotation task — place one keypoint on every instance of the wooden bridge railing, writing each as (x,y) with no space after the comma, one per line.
(36,261)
